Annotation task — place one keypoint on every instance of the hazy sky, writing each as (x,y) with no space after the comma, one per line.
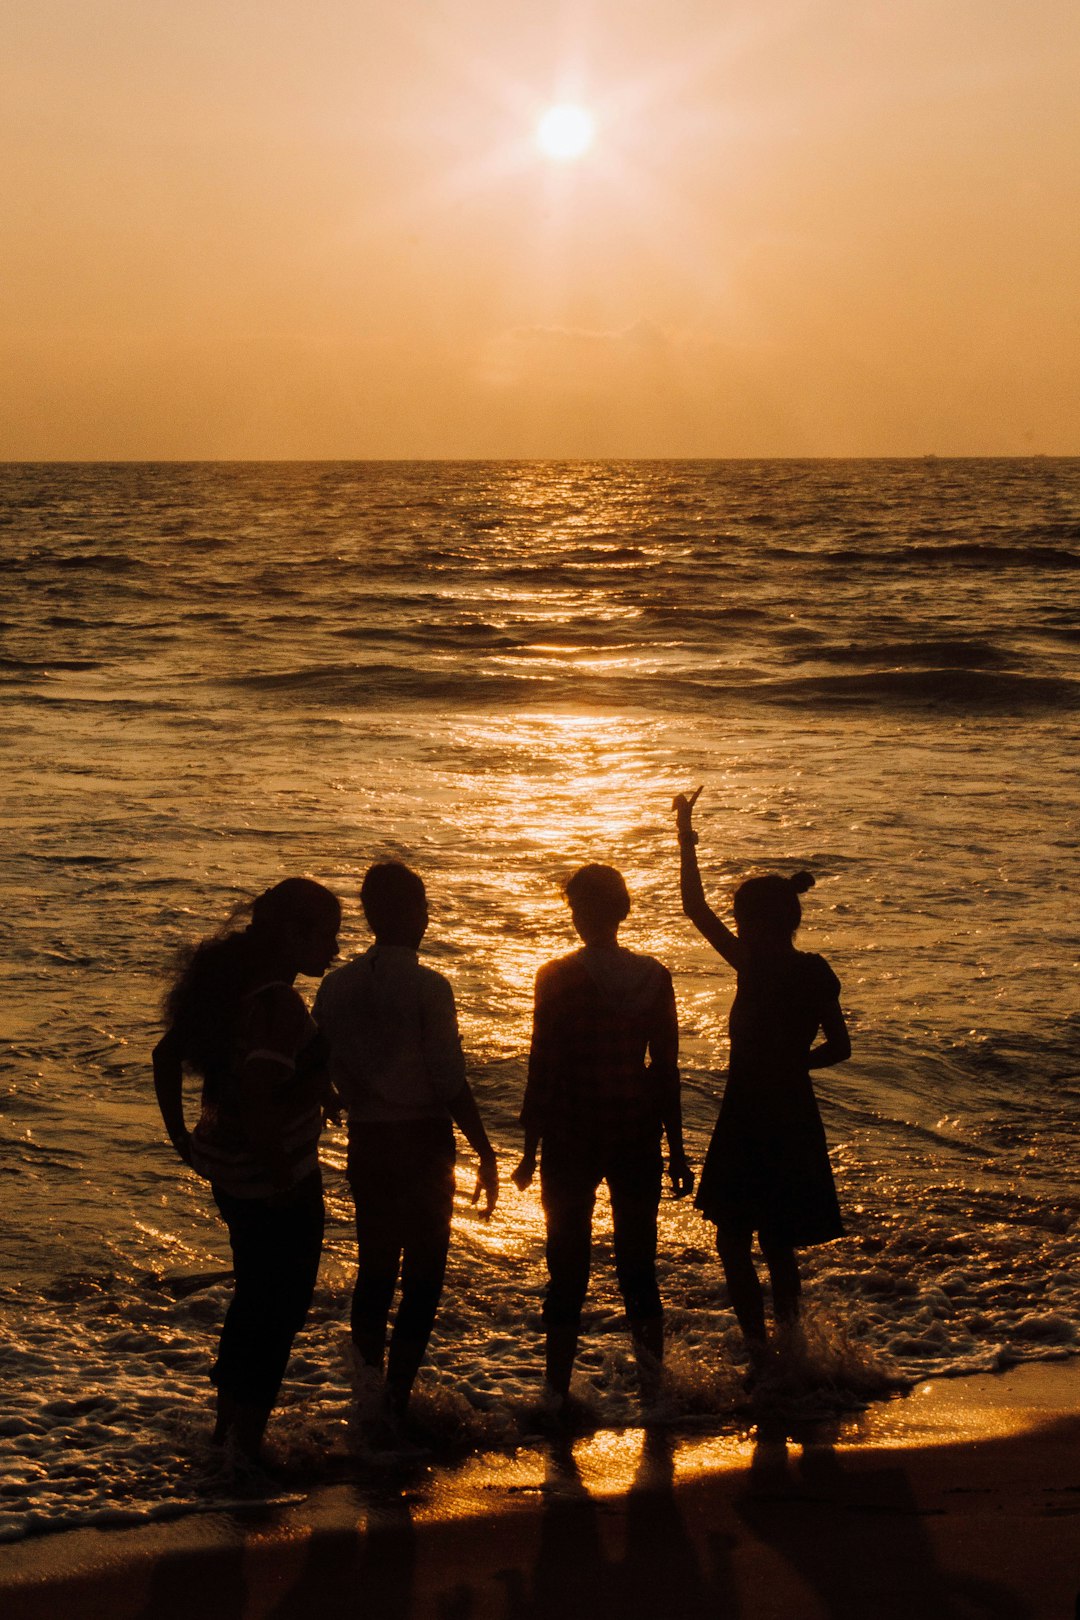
(277,229)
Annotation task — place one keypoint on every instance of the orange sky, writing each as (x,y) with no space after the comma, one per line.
(274,229)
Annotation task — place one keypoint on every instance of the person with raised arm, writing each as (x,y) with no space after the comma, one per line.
(767,1169)
(234,1017)
(603,1089)
(397,1064)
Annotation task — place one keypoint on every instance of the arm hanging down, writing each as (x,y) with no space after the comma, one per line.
(169,1091)
(445,1063)
(664,1067)
(542,1058)
(466,1116)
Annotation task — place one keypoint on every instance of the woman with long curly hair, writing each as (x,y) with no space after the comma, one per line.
(234,1018)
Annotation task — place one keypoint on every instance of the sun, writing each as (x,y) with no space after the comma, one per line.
(565,132)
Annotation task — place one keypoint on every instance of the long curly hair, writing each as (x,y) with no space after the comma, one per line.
(212,977)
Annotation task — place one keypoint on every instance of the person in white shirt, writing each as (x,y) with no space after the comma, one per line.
(396,1063)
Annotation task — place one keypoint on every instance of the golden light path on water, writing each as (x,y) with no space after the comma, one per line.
(512,805)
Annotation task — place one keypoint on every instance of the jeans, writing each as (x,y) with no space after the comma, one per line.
(276,1247)
(402,1178)
(569,1177)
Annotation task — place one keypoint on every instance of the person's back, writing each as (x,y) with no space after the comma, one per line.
(767,1170)
(396,1062)
(603,1087)
(391,1025)
(600,1013)
(776,1014)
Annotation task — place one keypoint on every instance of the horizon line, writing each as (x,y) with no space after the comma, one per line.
(279,461)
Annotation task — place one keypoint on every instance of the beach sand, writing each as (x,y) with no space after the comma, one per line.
(960,1500)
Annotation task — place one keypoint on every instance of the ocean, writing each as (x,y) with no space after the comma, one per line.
(216,675)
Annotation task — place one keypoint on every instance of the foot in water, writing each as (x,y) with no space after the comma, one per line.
(556,1414)
(240,1427)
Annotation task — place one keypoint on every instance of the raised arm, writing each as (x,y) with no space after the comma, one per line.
(169,1091)
(694,903)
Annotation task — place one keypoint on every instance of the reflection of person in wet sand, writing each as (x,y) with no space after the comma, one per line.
(767,1169)
(396,1061)
(603,1087)
(631,1556)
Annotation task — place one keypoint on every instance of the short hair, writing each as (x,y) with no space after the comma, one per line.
(389,889)
(599,890)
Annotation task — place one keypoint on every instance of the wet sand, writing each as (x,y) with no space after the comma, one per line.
(960,1500)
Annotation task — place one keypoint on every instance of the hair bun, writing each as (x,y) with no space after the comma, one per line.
(801,881)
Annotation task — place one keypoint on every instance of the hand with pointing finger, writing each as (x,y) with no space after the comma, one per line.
(683,807)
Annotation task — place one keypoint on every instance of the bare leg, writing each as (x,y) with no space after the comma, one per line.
(786,1285)
(744,1290)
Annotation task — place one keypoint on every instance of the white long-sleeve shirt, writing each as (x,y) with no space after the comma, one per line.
(391,1025)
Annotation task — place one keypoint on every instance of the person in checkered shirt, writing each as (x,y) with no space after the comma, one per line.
(602,1092)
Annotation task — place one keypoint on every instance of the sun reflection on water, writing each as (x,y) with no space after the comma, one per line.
(510,804)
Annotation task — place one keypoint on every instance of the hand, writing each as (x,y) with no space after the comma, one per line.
(487,1185)
(332,1106)
(525,1171)
(684,810)
(182,1144)
(680,1175)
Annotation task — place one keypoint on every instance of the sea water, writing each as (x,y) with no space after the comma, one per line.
(214,676)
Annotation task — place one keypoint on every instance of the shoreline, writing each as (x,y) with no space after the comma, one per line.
(961,1498)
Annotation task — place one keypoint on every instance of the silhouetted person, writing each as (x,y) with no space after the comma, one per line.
(397,1064)
(234,1018)
(603,1087)
(767,1169)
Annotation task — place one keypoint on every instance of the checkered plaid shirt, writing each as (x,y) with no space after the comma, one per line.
(602,1067)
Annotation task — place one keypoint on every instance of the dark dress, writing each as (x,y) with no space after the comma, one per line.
(767,1169)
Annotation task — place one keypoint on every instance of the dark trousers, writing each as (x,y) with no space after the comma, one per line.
(402,1178)
(569,1178)
(276,1247)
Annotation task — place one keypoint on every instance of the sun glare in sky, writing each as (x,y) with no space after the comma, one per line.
(578,230)
(565,132)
